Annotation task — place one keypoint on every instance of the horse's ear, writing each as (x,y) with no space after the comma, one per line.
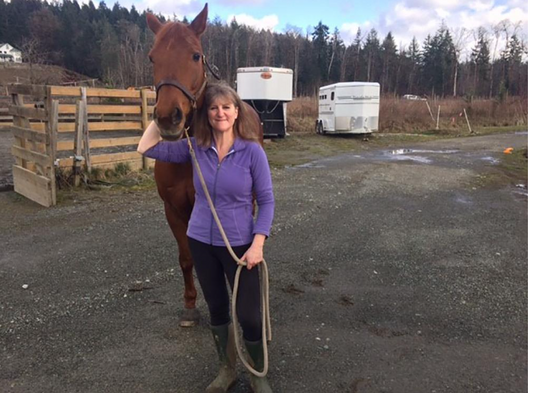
(199,23)
(153,23)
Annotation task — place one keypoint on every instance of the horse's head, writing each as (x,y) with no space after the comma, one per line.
(179,74)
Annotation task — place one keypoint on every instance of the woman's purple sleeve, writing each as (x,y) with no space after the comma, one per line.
(264,194)
(176,152)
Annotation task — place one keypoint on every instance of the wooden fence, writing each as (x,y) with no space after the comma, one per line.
(70,128)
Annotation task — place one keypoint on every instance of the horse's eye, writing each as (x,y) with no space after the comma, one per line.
(196,57)
(151,60)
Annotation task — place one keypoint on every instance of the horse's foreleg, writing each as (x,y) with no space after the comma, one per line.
(178,225)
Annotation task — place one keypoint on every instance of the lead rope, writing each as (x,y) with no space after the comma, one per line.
(264,280)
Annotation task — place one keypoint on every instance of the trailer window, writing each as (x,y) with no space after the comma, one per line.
(332,95)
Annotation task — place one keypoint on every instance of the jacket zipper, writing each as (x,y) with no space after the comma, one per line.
(219,164)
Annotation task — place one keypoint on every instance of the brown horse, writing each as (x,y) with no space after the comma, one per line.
(180,78)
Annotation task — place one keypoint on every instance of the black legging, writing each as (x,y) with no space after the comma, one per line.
(211,264)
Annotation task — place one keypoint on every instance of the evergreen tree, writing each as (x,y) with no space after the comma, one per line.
(437,62)
(414,61)
(336,51)
(356,45)
(389,56)
(512,58)
(321,49)
(480,60)
(44,29)
(370,56)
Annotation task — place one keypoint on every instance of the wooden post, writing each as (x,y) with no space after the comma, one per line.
(438,117)
(78,142)
(51,147)
(144,120)
(85,124)
(431,113)
(467,122)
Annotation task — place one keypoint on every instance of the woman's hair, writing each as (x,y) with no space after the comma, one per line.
(245,127)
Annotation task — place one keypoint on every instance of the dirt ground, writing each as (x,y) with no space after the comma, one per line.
(400,269)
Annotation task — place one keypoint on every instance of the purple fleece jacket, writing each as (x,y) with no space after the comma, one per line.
(243,170)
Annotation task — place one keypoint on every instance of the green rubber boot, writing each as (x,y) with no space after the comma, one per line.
(256,357)
(225,344)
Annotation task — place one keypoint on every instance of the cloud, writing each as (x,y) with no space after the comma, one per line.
(348,31)
(420,18)
(268,22)
(433,4)
(481,5)
(233,3)
(180,8)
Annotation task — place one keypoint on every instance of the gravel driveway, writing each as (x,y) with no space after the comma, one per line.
(397,270)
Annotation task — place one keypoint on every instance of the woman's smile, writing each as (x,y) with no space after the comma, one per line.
(222,115)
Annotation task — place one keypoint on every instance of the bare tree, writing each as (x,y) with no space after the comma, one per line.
(460,36)
(343,63)
(496,30)
(295,35)
(357,51)
(32,54)
(268,44)
(334,42)
(249,46)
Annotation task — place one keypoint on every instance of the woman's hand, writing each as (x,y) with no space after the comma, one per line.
(254,255)
(150,138)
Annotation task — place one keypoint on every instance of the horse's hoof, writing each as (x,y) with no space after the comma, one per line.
(190,317)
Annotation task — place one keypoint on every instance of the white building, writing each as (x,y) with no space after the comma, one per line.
(9,53)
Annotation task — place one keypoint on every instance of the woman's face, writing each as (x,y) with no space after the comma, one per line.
(222,114)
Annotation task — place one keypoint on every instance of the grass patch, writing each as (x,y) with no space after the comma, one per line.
(119,178)
(514,165)
(511,170)
(497,130)
(299,149)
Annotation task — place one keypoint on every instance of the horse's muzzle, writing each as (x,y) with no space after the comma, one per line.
(171,135)
(170,127)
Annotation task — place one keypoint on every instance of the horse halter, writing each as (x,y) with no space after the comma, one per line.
(192,97)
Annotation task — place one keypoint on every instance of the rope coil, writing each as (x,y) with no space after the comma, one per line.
(266,326)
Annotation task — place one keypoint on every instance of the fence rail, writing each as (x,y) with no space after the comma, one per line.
(72,128)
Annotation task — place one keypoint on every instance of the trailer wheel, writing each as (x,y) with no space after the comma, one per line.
(319,128)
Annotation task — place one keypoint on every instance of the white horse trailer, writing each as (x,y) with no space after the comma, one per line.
(348,107)
(267,90)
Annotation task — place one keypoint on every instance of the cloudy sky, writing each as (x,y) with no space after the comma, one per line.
(404,18)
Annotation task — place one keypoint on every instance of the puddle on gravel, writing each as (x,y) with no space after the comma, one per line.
(421,151)
(313,164)
(520,189)
(406,157)
(491,160)
(463,199)
(422,156)
(414,154)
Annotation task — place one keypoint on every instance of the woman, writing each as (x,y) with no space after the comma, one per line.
(234,166)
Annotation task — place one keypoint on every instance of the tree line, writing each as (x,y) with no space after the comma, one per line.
(112,44)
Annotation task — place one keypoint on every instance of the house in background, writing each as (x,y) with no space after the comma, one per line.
(9,53)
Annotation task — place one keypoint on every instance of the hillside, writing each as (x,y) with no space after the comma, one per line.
(41,74)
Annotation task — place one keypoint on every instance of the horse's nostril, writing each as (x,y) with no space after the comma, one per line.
(177,116)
